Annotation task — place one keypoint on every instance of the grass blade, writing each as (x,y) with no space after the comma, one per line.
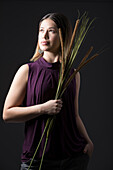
(47,123)
(48,131)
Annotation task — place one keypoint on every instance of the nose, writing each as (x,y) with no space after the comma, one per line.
(45,34)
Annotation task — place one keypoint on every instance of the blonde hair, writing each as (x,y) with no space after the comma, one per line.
(63,23)
(36,55)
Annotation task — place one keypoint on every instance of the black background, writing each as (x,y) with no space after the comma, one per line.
(18,36)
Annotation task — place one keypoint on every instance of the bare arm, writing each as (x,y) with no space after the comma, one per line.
(80,125)
(13,112)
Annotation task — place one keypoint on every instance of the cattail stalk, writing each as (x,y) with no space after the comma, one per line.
(47,123)
(83,63)
(62,65)
(73,37)
(62,52)
(47,136)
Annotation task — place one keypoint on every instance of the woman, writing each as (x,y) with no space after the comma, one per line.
(31,100)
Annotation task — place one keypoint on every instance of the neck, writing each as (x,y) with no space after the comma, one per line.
(50,57)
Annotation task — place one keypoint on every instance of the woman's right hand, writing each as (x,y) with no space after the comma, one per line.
(52,107)
(13,112)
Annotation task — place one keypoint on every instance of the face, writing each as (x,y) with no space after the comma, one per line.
(49,36)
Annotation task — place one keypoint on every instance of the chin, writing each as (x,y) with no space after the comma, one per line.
(44,49)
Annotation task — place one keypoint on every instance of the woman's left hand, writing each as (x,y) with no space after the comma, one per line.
(89,148)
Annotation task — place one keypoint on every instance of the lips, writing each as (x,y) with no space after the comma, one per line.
(44,42)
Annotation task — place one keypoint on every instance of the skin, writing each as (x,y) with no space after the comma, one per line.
(49,42)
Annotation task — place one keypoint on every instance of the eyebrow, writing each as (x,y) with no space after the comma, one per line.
(50,27)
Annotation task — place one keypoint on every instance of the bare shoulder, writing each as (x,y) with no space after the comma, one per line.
(23,72)
(17,89)
(23,69)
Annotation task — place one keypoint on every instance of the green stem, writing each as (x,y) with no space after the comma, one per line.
(48,120)
(48,131)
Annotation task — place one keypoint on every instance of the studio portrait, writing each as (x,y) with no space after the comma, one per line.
(56,85)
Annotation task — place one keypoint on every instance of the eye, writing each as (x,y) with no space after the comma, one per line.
(51,30)
(41,30)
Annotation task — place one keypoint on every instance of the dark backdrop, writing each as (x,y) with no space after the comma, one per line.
(18,36)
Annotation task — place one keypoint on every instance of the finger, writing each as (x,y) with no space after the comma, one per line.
(58,109)
(85,149)
(59,101)
(59,105)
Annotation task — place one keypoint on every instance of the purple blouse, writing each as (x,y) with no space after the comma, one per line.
(64,139)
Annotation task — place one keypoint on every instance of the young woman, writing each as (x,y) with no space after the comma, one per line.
(31,99)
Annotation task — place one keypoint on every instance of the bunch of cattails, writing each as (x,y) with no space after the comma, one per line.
(81,28)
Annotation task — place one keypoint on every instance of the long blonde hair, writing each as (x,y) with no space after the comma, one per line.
(63,23)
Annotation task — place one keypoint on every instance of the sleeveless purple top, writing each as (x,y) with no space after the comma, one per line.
(64,139)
